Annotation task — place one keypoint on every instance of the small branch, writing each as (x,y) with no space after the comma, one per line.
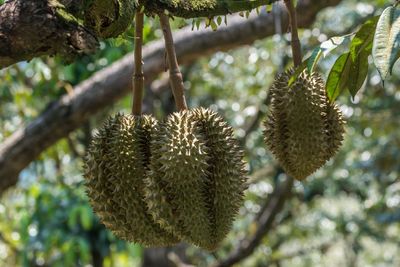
(138,76)
(265,221)
(175,74)
(302,252)
(296,46)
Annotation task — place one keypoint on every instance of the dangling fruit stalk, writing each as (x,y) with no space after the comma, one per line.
(295,41)
(116,165)
(175,74)
(138,76)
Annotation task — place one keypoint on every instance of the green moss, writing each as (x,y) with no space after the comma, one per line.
(203,8)
(62,13)
(106,18)
(109,18)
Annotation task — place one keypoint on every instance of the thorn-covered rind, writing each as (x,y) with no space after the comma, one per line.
(196,179)
(115,169)
(303,129)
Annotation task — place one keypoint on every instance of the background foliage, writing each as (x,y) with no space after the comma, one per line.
(347,214)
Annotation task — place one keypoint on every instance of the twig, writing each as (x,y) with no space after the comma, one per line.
(265,220)
(304,251)
(138,76)
(175,74)
(296,46)
(254,123)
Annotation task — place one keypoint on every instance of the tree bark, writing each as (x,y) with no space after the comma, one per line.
(113,82)
(30,29)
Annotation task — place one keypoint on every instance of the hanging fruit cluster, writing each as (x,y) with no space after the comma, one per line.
(161,182)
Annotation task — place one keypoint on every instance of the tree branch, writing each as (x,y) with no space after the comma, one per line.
(113,82)
(266,218)
(30,29)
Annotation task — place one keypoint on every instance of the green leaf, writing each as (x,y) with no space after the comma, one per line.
(214,25)
(338,76)
(360,49)
(386,44)
(358,72)
(298,71)
(86,217)
(323,50)
(363,40)
(331,44)
(219,20)
(84,249)
(73,217)
(313,59)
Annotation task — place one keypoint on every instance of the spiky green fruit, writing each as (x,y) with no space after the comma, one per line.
(196,180)
(303,129)
(115,169)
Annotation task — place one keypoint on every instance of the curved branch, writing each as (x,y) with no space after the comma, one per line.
(275,204)
(30,29)
(113,82)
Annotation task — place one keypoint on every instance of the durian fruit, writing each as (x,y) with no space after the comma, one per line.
(202,8)
(115,171)
(196,179)
(303,129)
(110,18)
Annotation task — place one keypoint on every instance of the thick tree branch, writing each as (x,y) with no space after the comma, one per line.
(113,82)
(30,29)
(266,218)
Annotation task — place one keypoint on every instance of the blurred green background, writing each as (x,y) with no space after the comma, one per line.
(347,214)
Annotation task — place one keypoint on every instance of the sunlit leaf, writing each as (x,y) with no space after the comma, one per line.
(358,73)
(387,41)
(338,76)
(363,40)
(323,50)
(360,49)
(298,71)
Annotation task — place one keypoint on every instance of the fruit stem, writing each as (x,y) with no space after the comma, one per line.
(175,75)
(296,46)
(138,75)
